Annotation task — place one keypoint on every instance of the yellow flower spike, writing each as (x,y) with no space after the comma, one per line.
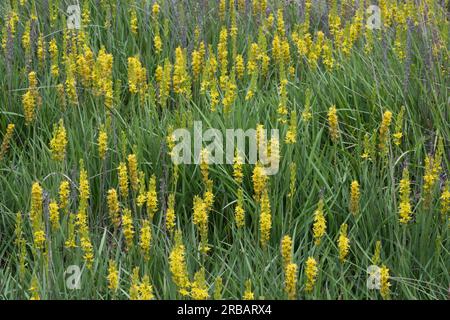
(34,288)
(286,250)
(134,288)
(157,43)
(102,77)
(113,207)
(259,181)
(88,251)
(6,140)
(199,289)
(145,239)
(152,198)
(181,79)
(320,223)
(133,22)
(59,142)
(137,77)
(218,288)
(170,215)
(311,272)
(377,254)
(133,172)
(343,243)
(128,228)
(123,180)
(265,220)
(290,281)
(248,294)
(31,100)
(113,277)
(70,242)
(53,211)
(200,220)
(36,216)
(291,135)
(445,201)
(239,211)
(102,142)
(385,285)
(333,124)
(177,265)
(146,289)
(142,196)
(354,198)
(240,66)
(398,127)
(405,210)
(204,167)
(383,137)
(238,174)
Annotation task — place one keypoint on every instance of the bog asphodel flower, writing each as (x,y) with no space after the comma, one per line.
(377,253)
(199,289)
(137,77)
(311,272)
(385,285)
(259,181)
(133,172)
(291,134)
(102,142)
(36,216)
(142,195)
(59,142)
(405,211)
(178,267)
(265,219)
(240,66)
(128,228)
(430,177)
(320,223)
(343,243)
(31,100)
(170,215)
(398,134)
(333,123)
(113,207)
(354,197)
(123,180)
(6,140)
(383,137)
(248,294)
(53,211)
(34,288)
(146,289)
(200,219)
(239,211)
(181,79)
(286,250)
(113,276)
(152,198)
(145,239)
(88,251)
(238,174)
(290,281)
(445,200)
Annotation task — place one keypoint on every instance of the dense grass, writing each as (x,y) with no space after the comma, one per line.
(362,85)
